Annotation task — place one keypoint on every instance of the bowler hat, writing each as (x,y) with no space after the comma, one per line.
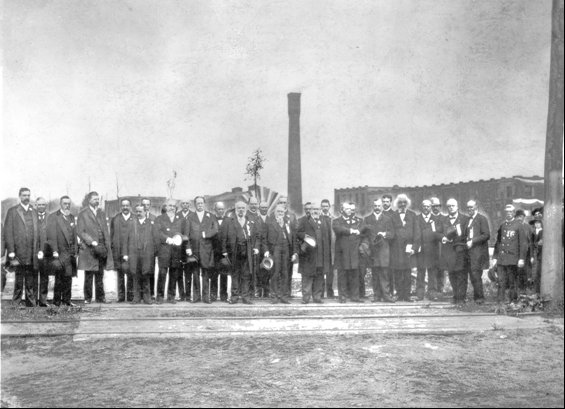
(225,262)
(311,241)
(191,259)
(267,263)
(364,249)
(100,251)
(451,232)
(492,275)
(56,266)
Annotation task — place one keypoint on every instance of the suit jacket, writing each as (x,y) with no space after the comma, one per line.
(234,233)
(201,236)
(43,233)
(347,244)
(141,244)
(430,240)
(407,233)
(87,231)
(312,258)
(511,243)
(15,235)
(380,248)
(169,256)
(479,229)
(274,234)
(61,236)
(119,230)
(454,254)
(536,244)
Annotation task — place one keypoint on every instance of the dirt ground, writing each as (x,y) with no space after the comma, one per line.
(496,368)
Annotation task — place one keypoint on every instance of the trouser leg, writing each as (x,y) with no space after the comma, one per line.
(342,283)
(136,287)
(353,280)
(329,283)
(88,282)
(161,284)
(318,285)
(195,273)
(206,284)
(121,285)
(145,284)
(421,283)
(307,281)
(477,283)
(290,268)
(187,272)
(58,289)
(214,275)
(43,285)
(129,287)
(223,286)
(99,285)
(172,287)
(512,273)
(362,272)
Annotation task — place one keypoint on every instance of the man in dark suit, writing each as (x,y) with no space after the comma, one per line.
(41,207)
(63,246)
(146,202)
(454,253)
(22,243)
(169,225)
(439,216)
(403,249)
(380,234)
(347,231)
(138,250)
(219,272)
(240,243)
(431,234)
(292,221)
(202,229)
(94,251)
(510,252)
(119,228)
(252,215)
(536,249)
(328,243)
(478,234)
(184,277)
(389,212)
(263,275)
(313,261)
(280,242)
(364,256)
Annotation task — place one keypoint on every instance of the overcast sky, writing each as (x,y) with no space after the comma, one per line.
(393,92)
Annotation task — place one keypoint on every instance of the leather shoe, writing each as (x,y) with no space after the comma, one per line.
(305,302)
(171,301)
(342,300)
(70,304)
(207,301)
(274,301)
(318,302)
(388,299)
(42,304)
(284,301)
(233,301)
(358,300)
(246,301)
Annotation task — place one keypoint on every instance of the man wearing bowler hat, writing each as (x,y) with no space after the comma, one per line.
(62,242)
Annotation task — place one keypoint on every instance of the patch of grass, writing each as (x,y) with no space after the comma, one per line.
(16,313)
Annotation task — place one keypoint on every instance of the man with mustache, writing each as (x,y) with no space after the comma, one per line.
(119,228)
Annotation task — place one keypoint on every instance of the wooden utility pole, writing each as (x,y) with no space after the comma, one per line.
(552,257)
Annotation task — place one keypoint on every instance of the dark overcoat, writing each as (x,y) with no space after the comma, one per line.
(87,231)
(511,243)
(313,257)
(431,235)
(454,253)
(201,236)
(405,233)
(347,244)
(14,228)
(272,233)
(380,248)
(478,254)
(61,236)
(233,232)
(169,256)
(119,229)
(148,239)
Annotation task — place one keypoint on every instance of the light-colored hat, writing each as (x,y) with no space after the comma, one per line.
(435,201)
(509,208)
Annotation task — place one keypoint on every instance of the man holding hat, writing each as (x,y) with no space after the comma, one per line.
(311,263)
(221,268)
(428,253)
(62,240)
(454,252)
(509,254)
(239,244)
(94,254)
(478,234)
(439,216)
(381,233)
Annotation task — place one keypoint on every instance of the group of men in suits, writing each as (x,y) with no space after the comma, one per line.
(197,250)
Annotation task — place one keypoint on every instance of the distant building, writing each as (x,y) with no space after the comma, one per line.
(492,195)
(112,207)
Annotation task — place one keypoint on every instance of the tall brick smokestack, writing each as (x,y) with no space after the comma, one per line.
(294,170)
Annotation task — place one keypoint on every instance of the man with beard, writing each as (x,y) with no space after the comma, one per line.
(169,252)
(431,234)
(380,234)
(240,243)
(139,251)
(291,220)
(347,231)
(41,207)
(62,241)
(119,228)
(184,277)
(202,229)
(22,243)
(406,242)
(280,242)
(252,215)
(94,254)
(219,272)
(146,202)
(329,238)
(509,254)
(263,275)
(478,234)
(439,216)
(312,262)
(454,253)
(387,211)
